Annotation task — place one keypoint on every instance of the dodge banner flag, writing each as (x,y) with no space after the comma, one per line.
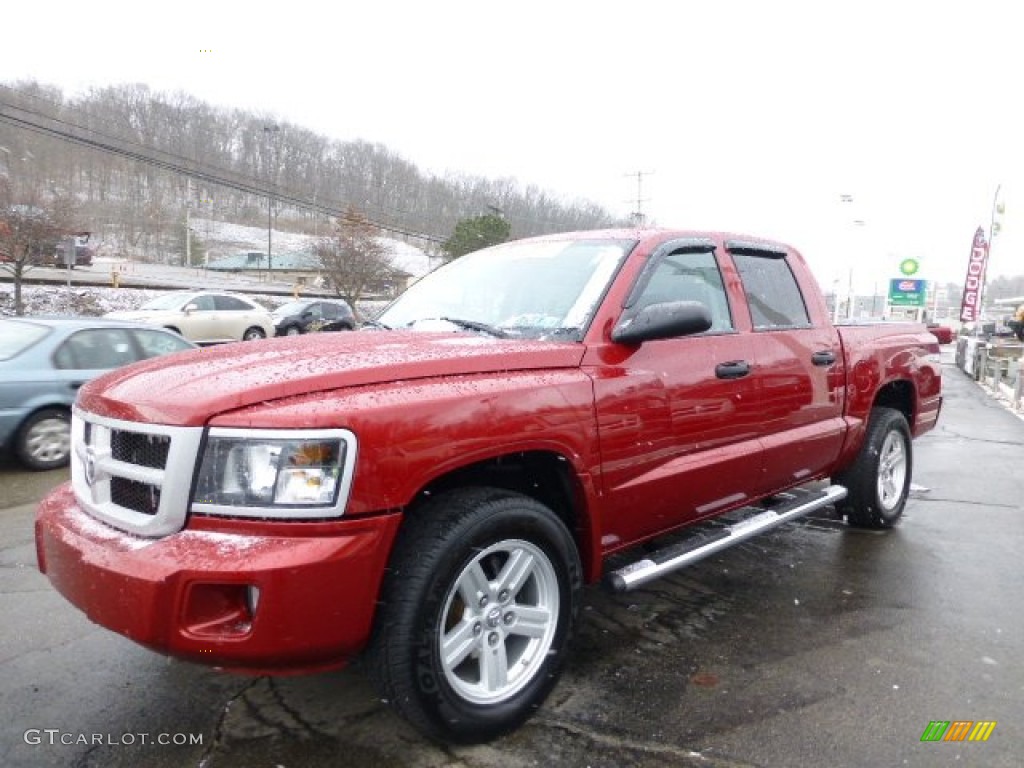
(970,307)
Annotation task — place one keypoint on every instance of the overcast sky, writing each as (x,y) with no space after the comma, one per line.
(753,117)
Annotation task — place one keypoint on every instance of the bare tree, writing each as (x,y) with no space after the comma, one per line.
(354,258)
(29,232)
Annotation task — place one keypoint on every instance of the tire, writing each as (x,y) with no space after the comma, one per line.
(44,440)
(879,480)
(447,587)
(293,330)
(253,333)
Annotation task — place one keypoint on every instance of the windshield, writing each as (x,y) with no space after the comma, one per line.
(167,301)
(538,289)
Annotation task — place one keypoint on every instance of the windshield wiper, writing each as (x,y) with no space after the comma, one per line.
(375,324)
(474,325)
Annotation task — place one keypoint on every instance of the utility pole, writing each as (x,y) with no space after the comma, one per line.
(188,223)
(267,131)
(638,217)
(188,234)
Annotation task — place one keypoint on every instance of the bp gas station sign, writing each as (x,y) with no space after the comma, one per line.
(907,293)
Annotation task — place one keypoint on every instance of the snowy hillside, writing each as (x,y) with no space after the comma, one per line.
(221,239)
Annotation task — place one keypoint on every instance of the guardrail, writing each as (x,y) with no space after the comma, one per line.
(997,367)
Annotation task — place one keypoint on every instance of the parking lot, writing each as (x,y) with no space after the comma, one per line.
(815,645)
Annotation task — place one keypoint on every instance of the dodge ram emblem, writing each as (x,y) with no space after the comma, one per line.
(90,466)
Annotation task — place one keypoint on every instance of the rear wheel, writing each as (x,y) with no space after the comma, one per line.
(251,334)
(44,440)
(879,480)
(478,607)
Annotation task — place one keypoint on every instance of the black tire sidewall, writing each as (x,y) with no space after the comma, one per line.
(453,718)
(864,504)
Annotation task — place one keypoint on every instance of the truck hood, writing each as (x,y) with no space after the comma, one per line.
(189,388)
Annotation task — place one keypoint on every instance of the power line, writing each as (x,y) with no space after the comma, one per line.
(40,122)
(55,127)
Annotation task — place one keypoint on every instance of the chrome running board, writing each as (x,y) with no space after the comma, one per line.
(656,564)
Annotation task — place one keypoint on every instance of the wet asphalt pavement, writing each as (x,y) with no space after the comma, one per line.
(814,645)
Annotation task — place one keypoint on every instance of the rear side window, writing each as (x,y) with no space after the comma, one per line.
(772,292)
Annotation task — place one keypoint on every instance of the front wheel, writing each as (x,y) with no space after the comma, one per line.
(879,480)
(44,440)
(477,610)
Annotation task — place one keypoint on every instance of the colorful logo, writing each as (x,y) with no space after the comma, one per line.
(958,730)
(909,266)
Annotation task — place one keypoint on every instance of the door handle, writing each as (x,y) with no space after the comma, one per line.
(734,369)
(827,357)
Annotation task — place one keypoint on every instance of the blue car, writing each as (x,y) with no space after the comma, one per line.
(43,362)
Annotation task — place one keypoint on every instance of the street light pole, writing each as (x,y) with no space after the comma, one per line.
(993,230)
(267,130)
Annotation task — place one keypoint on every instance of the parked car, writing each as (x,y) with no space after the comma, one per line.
(308,315)
(942,333)
(205,317)
(43,362)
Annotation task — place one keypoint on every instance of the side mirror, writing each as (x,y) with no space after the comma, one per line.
(665,320)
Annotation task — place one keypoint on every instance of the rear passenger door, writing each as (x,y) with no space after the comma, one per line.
(799,367)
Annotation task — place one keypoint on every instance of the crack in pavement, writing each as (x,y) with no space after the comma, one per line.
(654,749)
(291,711)
(946,432)
(965,502)
(218,728)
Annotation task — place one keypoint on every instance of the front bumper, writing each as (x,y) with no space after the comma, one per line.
(246,601)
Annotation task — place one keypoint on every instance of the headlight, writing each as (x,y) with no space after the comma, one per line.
(275,473)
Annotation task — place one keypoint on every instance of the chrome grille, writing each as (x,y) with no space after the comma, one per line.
(134,476)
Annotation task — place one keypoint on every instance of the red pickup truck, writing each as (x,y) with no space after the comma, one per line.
(435,493)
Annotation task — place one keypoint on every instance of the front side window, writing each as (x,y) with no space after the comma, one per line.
(155,343)
(688,276)
(202,303)
(95,349)
(772,291)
